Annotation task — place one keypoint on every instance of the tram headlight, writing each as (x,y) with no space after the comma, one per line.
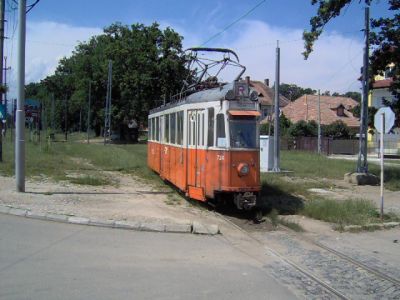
(243,169)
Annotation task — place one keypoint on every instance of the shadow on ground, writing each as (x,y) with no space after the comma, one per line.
(273,197)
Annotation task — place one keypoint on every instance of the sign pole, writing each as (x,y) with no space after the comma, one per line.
(382,163)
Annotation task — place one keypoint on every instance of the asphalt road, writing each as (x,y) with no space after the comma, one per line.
(48,260)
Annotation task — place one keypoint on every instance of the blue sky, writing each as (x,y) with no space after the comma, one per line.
(54,27)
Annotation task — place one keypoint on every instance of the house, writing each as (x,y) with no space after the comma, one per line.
(380,95)
(332,109)
(266,97)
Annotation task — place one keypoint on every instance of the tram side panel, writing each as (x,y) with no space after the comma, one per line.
(153,156)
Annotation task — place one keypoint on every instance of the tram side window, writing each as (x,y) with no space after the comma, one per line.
(202,129)
(157,129)
(150,130)
(180,128)
(153,129)
(166,126)
(173,127)
(210,138)
(221,137)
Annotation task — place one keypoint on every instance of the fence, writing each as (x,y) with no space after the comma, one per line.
(330,146)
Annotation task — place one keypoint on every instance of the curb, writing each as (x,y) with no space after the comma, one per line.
(373,226)
(195,227)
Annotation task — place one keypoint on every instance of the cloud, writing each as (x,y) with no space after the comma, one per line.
(334,64)
(46,44)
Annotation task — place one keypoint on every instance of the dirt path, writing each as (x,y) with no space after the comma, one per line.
(130,200)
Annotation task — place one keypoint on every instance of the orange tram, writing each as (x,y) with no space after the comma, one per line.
(207,145)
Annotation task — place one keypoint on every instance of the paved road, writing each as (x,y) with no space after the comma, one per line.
(46,260)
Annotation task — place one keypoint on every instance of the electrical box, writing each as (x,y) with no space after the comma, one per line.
(266,153)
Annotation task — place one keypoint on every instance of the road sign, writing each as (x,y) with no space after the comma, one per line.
(389,119)
(2,111)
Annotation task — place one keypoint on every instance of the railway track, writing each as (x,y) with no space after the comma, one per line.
(387,282)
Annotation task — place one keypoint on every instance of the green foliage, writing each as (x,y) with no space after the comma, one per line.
(284,124)
(346,212)
(384,37)
(337,129)
(303,128)
(147,64)
(356,111)
(293,92)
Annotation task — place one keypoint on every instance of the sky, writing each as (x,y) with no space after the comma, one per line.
(54,27)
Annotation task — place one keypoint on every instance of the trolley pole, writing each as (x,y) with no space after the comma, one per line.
(276,120)
(362,164)
(20,113)
(319,122)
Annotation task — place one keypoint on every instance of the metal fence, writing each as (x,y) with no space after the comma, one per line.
(331,146)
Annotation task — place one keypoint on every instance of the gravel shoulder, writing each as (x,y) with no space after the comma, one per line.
(131,200)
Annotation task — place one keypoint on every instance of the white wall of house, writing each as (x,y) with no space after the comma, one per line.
(379,94)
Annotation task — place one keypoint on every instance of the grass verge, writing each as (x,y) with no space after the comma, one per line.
(342,213)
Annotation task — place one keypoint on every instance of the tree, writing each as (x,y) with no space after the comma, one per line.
(293,92)
(384,36)
(303,128)
(147,65)
(284,125)
(337,129)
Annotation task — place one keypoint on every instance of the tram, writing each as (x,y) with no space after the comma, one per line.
(206,142)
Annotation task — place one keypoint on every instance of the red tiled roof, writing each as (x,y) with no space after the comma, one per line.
(306,108)
(266,94)
(384,83)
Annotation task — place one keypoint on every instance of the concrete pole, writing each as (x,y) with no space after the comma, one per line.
(319,122)
(2,7)
(276,120)
(20,122)
(362,163)
(88,114)
(382,152)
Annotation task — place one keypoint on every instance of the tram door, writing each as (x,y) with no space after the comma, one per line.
(196,151)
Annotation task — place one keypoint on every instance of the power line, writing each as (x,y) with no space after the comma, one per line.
(234,22)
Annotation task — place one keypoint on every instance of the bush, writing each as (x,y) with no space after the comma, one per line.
(337,129)
(303,128)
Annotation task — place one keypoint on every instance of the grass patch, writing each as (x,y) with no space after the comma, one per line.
(342,213)
(314,166)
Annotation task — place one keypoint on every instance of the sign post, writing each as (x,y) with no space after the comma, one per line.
(382,162)
(383,121)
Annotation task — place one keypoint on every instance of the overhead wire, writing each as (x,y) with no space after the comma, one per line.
(233,23)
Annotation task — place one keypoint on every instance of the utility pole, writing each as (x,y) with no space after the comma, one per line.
(5,85)
(66,119)
(52,113)
(276,103)
(319,122)
(107,113)
(2,7)
(20,122)
(362,163)
(88,114)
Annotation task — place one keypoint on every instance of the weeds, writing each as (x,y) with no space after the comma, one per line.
(347,212)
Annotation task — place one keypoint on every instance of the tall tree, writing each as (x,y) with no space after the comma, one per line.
(384,36)
(147,64)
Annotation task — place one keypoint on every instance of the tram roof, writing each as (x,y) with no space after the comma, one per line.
(210,95)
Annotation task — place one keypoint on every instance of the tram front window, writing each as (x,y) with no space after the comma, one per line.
(243,132)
